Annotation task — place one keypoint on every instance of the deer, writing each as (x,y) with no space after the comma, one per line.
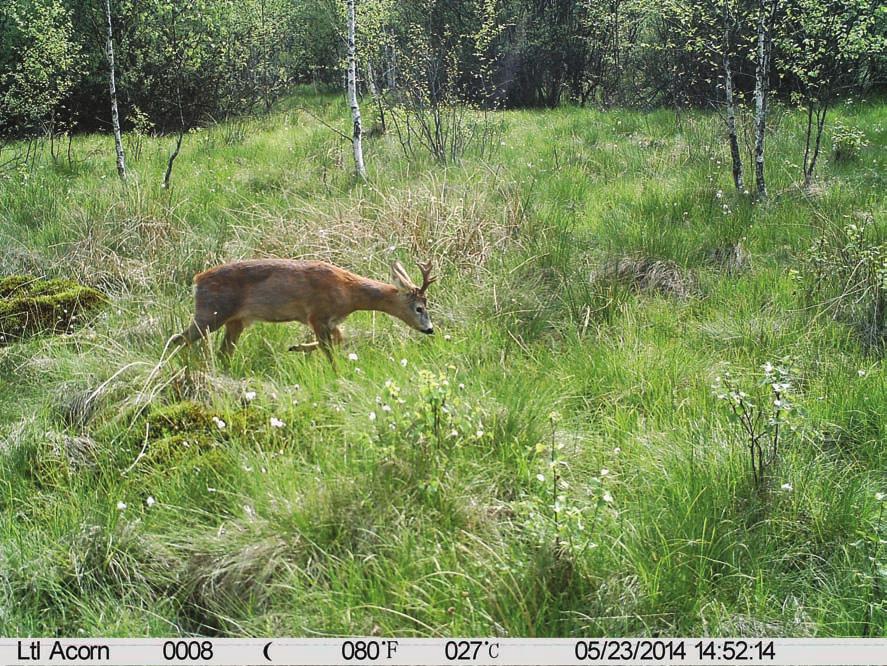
(315,293)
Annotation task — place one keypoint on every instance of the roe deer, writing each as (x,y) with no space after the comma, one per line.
(313,292)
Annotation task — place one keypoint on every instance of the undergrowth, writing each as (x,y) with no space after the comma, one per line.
(552,462)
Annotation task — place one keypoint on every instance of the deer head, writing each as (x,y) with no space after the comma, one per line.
(413,305)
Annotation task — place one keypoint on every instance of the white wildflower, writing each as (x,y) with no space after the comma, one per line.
(352,356)
(276,422)
(605,471)
(787,487)
(219,422)
(250,396)
(403,363)
(880,497)
(372,416)
(386,408)
(607,497)
(150,501)
(541,477)
(121,505)
(861,373)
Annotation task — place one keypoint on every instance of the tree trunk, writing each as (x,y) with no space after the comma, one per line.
(172,158)
(820,124)
(735,155)
(356,136)
(115,117)
(762,74)
(180,62)
(377,98)
(266,60)
(390,67)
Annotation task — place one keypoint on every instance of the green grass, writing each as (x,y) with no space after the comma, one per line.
(552,365)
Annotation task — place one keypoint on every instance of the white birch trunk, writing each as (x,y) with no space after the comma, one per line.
(371,80)
(762,73)
(735,155)
(391,67)
(356,136)
(112,87)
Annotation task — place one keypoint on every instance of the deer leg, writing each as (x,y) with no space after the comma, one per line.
(325,336)
(327,350)
(306,347)
(233,329)
(335,337)
(199,329)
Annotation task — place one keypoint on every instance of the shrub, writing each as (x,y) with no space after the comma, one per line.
(847,143)
(846,271)
(417,430)
(762,416)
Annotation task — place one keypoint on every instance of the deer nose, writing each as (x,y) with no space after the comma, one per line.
(429,330)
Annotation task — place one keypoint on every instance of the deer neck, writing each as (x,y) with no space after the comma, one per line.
(375,295)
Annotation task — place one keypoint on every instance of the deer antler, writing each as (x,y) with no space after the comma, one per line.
(427,278)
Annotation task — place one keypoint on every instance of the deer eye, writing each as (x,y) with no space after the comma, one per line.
(420,309)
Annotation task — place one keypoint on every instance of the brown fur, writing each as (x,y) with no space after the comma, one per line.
(315,293)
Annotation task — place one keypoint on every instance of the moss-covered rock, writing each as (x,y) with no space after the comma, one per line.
(185,430)
(31,305)
(180,418)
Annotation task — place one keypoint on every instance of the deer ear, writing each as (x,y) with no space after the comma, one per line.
(400,278)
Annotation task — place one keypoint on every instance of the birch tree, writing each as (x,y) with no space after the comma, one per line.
(178,55)
(351,85)
(766,13)
(112,87)
(824,47)
(709,30)
(730,106)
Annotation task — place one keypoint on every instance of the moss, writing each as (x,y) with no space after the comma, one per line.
(176,431)
(182,431)
(176,448)
(179,418)
(30,306)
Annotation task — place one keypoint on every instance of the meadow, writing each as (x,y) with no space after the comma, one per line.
(562,458)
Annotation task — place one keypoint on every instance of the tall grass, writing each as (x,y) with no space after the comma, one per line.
(553,462)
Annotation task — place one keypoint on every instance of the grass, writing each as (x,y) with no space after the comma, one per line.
(553,462)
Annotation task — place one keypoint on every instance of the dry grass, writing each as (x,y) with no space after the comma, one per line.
(645,274)
(457,224)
